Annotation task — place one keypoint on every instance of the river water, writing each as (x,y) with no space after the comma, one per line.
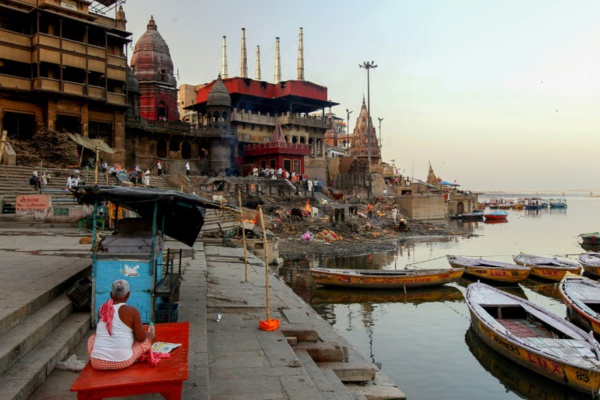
(422,340)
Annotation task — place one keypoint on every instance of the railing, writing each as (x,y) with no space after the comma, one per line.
(73,88)
(117,98)
(273,145)
(13,82)
(15,38)
(253,118)
(46,84)
(96,92)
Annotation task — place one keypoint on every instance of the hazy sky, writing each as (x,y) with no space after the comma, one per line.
(495,94)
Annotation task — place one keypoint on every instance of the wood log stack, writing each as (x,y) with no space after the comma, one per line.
(55,149)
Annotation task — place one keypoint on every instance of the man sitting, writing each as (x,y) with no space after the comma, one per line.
(120,339)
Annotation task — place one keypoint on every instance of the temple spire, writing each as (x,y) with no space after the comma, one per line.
(301,57)
(244,66)
(224,59)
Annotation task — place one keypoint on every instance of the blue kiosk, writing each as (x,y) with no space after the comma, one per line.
(135,250)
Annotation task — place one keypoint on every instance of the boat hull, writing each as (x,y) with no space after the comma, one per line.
(578,292)
(547,271)
(400,280)
(578,372)
(591,263)
(491,273)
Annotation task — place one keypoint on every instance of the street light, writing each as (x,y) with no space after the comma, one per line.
(368,66)
(380,139)
(348,112)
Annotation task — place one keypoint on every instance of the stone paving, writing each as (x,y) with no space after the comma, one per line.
(230,358)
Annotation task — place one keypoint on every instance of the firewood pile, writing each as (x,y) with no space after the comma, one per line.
(55,149)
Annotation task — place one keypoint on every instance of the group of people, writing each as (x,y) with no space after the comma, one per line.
(272,173)
(38,181)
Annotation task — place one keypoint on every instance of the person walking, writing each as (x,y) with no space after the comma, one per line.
(159,167)
(370,211)
(187,168)
(394,213)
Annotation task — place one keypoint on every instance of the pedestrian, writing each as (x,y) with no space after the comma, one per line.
(45,178)
(309,186)
(104,167)
(159,167)
(384,192)
(370,210)
(394,213)
(255,171)
(147,178)
(35,181)
(187,168)
(70,181)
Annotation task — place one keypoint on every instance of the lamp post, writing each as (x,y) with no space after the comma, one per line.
(368,65)
(348,112)
(380,139)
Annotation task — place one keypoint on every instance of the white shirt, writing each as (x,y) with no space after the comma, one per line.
(69,182)
(159,165)
(115,347)
(187,166)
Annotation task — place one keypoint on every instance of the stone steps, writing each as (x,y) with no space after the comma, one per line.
(37,330)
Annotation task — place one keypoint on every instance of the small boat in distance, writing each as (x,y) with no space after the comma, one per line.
(592,238)
(547,268)
(535,338)
(491,270)
(472,216)
(590,263)
(582,297)
(496,216)
(383,278)
(558,203)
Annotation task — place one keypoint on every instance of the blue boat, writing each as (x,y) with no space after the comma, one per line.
(472,216)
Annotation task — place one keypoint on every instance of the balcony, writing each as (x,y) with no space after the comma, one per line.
(73,88)
(116,61)
(15,38)
(260,149)
(96,92)
(294,119)
(117,98)
(287,119)
(13,82)
(77,47)
(42,39)
(46,84)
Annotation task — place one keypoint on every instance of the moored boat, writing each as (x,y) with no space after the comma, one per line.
(472,216)
(496,216)
(582,297)
(535,338)
(558,203)
(496,271)
(591,263)
(384,279)
(547,268)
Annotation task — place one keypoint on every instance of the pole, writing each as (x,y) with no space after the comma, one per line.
(96,166)
(348,112)
(243,237)
(368,66)
(380,139)
(262,223)
(2,141)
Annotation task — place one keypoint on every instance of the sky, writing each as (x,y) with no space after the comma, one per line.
(496,95)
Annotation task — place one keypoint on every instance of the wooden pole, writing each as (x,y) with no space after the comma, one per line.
(96,166)
(243,237)
(262,223)
(2,141)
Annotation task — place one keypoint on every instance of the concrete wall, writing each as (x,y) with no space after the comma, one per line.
(423,207)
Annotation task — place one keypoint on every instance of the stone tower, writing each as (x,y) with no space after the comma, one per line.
(223,138)
(153,68)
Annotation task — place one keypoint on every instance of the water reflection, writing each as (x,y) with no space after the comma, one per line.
(516,378)
(512,288)
(546,288)
(590,246)
(417,296)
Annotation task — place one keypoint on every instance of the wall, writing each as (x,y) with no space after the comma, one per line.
(422,207)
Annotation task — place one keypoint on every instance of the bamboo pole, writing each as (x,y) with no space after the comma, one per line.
(243,237)
(262,223)
(96,166)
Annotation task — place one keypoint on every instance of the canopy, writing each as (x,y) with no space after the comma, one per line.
(184,213)
(91,144)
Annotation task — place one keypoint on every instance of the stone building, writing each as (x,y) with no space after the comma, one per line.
(63,67)
(359,146)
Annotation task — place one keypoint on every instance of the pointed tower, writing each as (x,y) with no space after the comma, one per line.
(301,56)
(360,138)
(244,66)
(431,178)
(224,58)
(277,59)
(153,68)
(223,139)
(257,68)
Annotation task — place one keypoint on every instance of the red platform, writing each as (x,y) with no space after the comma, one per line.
(166,378)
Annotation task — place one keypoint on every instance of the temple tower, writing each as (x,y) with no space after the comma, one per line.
(360,138)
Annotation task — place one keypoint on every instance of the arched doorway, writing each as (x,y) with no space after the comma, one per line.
(161,148)
(460,208)
(186,150)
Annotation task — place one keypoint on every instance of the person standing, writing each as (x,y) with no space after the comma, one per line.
(70,181)
(187,168)
(35,181)
(147,178)
(394,213)
(370,210)
(159,167)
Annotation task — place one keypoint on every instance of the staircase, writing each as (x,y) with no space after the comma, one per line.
(39,331)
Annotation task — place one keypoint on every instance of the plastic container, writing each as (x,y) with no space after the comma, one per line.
(166,312)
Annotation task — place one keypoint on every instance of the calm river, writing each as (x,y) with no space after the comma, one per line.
(421,340)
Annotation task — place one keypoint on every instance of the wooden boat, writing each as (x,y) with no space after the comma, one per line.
(535,338)
(491,270)
(505,206)
(582,297)
(558,203)
(590,238)
(384,279)
(590,263)
(547,268)
(337,295)
(472,216)
(518,206)
(496,216)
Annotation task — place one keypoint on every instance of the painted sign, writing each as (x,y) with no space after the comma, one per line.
(33,205)
(71,5)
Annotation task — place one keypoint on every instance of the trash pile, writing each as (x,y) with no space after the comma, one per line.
(325,235)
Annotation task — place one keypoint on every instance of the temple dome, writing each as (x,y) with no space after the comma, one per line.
(218,95)
(132,82)
(151,58)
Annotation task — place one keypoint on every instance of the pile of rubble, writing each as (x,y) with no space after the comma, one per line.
(53,148)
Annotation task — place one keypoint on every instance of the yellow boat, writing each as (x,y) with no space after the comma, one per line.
(550,269)
(535,338)
(491,270)
(591,263)
(582,297)
(384,279)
